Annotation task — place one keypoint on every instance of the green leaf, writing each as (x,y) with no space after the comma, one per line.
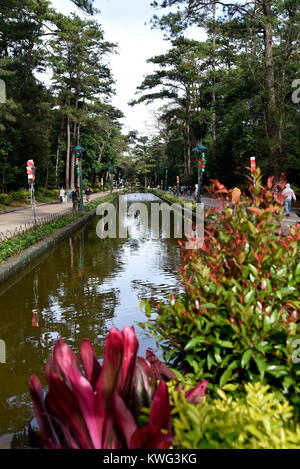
(297,273)
(225,377)
(210,361)
(225,343)
(261,365)
(249,297)
(246,358)
(218,357)
(209,306)
(285,292)
(195,341)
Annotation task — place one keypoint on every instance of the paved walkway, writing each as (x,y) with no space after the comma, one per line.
(12,221)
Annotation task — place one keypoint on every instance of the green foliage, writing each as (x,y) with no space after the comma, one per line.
(4,199)
(239,314)
(233,91)
(22,194)
(33,122)
(258,419)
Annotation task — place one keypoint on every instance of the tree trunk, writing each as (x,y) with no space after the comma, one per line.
(214,98)
(185,155)
(58,150)
(188,149)
(101,151)
(68,154)
(272,125)
(73,157)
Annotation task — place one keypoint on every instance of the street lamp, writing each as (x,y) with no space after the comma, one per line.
(201,168)
(78,154)
(166,180)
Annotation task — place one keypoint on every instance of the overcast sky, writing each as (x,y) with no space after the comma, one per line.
(123,22)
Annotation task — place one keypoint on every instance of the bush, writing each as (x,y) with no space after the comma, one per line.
(257,420)
(22,194)
(5,199)
(239,314)
(50,193)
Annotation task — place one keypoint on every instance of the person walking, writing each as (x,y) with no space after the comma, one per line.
(62,194)
(76,198)
(88,193)
(196,191)
(289,196)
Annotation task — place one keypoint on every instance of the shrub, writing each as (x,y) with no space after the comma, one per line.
(22,194)
(239,314)
(257,420)
(5,199)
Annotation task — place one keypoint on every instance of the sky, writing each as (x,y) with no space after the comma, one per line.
(123,22)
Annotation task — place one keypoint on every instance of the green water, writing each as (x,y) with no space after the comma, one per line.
(82,288)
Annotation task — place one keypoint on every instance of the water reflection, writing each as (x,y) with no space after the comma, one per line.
(83,288)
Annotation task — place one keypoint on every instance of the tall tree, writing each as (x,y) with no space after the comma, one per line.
(81,77)
(178,80)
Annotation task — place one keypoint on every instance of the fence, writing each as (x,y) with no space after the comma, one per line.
(19,230)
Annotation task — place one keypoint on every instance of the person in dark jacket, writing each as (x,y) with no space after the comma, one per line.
(88,193)
(76,198)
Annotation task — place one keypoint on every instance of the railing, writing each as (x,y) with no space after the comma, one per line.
(24,228)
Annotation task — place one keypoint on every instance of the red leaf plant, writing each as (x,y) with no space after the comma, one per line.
(89,406)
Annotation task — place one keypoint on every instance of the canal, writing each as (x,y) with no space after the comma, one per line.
(80,289)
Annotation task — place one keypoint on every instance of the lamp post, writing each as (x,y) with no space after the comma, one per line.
(78,154)
(167,170)
(31,180)
(201,168)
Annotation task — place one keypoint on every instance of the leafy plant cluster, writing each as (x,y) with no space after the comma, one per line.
(238,317)
(132,402)
(255,420)
(93,406)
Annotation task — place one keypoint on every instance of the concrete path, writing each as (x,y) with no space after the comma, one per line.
(11,222)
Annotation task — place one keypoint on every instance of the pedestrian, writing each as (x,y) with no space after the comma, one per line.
(288,195)
(76,198)
(88,193)
(69,195)
(62,194)
(196,191)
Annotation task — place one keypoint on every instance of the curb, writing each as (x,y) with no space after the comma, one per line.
(12,266)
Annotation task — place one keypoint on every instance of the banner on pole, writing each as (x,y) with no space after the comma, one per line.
(30,171)
(253,163)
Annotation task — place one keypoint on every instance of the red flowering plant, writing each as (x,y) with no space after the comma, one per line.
(238,317)
(93,406)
